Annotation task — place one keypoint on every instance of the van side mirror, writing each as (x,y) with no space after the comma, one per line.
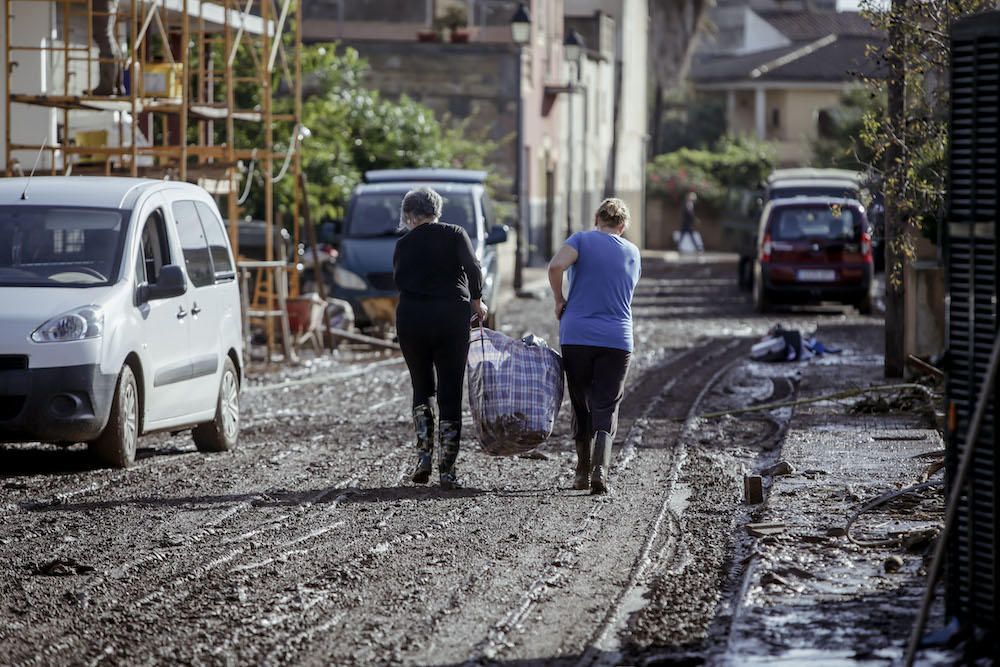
(171,283)
(330,232)
(498,234)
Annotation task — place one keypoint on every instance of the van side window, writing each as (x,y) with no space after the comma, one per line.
(193,243)
(489,213)
(218,246)
(154,252)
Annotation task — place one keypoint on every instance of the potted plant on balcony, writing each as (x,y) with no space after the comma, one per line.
(428,36)
(455,21)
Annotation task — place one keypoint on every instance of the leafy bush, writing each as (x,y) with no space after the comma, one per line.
(841,141)
(733,165)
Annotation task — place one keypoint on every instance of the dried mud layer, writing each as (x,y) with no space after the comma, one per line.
(307,546)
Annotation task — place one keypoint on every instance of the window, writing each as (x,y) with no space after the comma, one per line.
(218,246)
(197,258)
(154,251)
(816,223)
(44,245)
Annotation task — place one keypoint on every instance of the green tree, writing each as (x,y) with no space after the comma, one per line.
(908,145)
(355,129)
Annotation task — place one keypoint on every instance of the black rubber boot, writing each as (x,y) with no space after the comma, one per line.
(602,463)
(423,426)
(106,84)
(584,455)
(451,435)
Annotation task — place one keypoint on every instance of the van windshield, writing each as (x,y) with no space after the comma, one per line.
(377,214)
(59,246)
(815,223)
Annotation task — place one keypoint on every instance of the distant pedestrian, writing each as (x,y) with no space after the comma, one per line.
(595,333)
(688,223)
(440,287)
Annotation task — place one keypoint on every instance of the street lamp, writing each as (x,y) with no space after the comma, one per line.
(520,32)
(573,47)
(520,25)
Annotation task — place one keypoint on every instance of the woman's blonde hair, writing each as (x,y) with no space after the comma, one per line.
(613,212)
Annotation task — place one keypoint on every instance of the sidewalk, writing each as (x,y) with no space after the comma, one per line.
(808,592)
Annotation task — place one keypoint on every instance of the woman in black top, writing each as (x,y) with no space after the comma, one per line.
(438,275)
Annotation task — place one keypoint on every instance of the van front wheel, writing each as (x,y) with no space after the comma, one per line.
(117,443)
(221,434)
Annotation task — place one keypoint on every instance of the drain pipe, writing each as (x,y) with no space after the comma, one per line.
(953,499)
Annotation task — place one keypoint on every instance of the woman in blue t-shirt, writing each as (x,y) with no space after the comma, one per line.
(595,333)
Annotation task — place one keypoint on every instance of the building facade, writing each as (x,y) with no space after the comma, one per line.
(777,69)
(566,137)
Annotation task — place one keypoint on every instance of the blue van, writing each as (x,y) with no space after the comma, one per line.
(363,272)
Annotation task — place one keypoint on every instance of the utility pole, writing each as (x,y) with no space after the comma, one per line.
(895,355)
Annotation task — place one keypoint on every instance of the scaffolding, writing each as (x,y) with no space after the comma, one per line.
(202,90)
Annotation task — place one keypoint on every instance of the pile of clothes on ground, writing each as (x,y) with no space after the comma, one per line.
(781,344)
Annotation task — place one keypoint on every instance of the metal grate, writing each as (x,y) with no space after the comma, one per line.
(10,407)
(13,362)
(973,577)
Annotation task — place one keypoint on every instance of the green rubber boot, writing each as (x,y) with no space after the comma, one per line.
(451,435)
(423,426)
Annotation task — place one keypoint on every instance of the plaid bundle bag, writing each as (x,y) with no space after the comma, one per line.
(515,390)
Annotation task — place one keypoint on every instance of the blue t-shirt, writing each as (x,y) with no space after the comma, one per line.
(601,283)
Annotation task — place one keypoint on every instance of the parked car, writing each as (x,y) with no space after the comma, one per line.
(252,239)
(119,315)
(363,272)
(326,253)
(796,182)
(814,249)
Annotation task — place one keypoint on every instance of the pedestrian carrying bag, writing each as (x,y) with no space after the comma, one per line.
(515,390)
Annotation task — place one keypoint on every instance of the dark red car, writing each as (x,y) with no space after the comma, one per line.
(814,249)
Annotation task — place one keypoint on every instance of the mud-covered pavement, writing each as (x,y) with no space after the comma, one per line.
(306,545)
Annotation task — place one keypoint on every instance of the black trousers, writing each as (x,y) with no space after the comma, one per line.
(434,338)
(102,24)
(595,377)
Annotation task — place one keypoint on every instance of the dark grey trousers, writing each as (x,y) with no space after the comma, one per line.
(595,377)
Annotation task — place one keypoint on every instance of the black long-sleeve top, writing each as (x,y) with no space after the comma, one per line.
(437,261)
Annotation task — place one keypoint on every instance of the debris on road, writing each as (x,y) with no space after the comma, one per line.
(765,529)
(778,469)
(753,490)
(892,564)
(63,567)
(782,345)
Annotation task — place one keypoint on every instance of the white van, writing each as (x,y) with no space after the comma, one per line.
(119,315)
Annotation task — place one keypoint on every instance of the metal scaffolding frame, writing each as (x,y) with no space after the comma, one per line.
(223,52)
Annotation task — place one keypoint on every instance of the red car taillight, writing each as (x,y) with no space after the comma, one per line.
(866,248)
(765,249)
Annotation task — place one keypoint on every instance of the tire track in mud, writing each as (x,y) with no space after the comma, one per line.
(177,589)
(602,650)
(648,399)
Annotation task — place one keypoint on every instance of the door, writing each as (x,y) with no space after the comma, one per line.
(205,305)
(163,323)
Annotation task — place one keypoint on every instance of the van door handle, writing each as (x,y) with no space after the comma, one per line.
(181,313)
(195,309)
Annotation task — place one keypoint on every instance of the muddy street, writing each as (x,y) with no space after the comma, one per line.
(306,545)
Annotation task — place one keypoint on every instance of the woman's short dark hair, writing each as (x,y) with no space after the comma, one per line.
(422,203)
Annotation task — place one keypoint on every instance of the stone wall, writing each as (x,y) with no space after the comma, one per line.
(473,82)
